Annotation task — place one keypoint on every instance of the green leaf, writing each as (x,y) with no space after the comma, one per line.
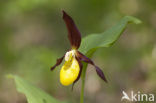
(32,93)
(94,41)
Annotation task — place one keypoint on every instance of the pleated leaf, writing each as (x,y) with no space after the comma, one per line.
(92,42)
(32,93)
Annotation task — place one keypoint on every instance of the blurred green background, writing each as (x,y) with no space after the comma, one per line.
(33,35)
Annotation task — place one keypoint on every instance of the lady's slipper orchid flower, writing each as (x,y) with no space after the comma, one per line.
(72,68)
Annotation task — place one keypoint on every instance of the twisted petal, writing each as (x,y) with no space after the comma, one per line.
(73,33)
(81,66)
(58,62)
(87,60)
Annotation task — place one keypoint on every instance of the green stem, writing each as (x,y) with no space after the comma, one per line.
(82,92)
(83,75)
(83,83)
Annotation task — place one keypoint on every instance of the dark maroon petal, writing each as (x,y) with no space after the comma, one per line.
(73,33)
(87,60)
(58,62)
(81,66)
(84,58)
(101,74)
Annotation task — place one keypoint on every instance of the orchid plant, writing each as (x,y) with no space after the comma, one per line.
(73,67)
